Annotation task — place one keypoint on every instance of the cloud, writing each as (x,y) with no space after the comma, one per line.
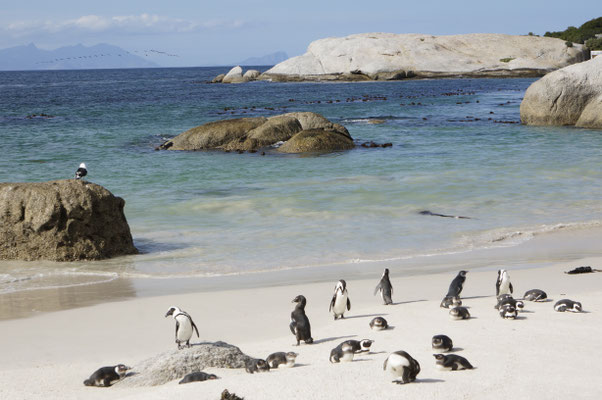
(132,24)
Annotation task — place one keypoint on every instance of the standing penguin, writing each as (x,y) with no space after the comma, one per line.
(456,286)
(299,321)
(502,284)
(402,365)
(340,300)
(184,326)
(385,287)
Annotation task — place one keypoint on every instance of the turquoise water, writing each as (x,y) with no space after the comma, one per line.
(457,150)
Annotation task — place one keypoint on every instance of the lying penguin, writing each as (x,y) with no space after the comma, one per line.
(451,362)
(286,360)
(105,376)
(197,377)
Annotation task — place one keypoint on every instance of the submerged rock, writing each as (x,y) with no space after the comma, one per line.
(569,96)
(388,56)
(175,364)
(317,140)
(64,220)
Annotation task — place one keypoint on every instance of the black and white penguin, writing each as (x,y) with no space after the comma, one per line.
(450,301)
(503,284)
(458,313)
(403,366)
(342,353)
(504,300)
(568,305)
(340,300)
(360,346)
(451,362)
(106,375)
(379,324)
(442,343)
(535,295)
(299,322)
(385,288)
(256,365)
(184,326)
(81,171)
(286,360)
(508,311)
(456,286)
(197,377)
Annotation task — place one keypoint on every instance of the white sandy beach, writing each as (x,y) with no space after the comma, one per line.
(542,354)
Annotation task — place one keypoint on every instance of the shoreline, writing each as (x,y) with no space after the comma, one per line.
(542,250)
(61,349)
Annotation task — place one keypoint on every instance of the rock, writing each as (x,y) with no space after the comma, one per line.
(251,134)
(310,120)
(234,76)
(64,220)
(388,56)
(569,96)
(317,140)
(175,364)
(218,79)
(213,134)
(251,75)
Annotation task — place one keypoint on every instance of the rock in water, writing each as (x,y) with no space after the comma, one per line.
(176,364)
(317,140)
(569,96)
(234,76)
(64,220)
(385,56)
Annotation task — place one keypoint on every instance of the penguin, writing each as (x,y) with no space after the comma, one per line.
(286,360)
(81,171)
(456,286)
(379,324)
(402,365)
(450,301)
(342,353)
(507,300)
(458,313)
(508,311)
(451,362)
(568,305)
(197,377)
(360,346)
(535,295)
(106,375)
(502,284)
(340,300)
(442,343)
(184,326)
(385,287)
(256,365)
(299,322)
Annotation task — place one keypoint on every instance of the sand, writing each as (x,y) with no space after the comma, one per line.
(543,353)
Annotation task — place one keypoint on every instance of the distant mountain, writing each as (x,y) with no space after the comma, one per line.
(270,59)
(70,57)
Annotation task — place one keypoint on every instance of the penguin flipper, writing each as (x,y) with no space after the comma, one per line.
(332,302)
(177,326)
(293,325)
(348,304)
(511,288)
(377,288)
(195,328)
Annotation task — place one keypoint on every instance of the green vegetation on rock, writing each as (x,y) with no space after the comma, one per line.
(507,59)
(594,43)
(579,35)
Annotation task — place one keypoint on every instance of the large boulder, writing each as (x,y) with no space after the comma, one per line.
(63,220)
(251,134)
(213,135)
(569,96)
(234,76)
(385,56)
(251,75)
(175,364)
(317,140)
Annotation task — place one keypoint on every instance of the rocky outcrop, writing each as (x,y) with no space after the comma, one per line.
(317,140)
(175,364)
(251,134)
(234,76)
(569,96)
(63,220)
(386,56)
(251,75)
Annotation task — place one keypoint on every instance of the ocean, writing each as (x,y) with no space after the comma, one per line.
(457,149)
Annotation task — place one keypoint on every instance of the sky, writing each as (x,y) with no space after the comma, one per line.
(205,33)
